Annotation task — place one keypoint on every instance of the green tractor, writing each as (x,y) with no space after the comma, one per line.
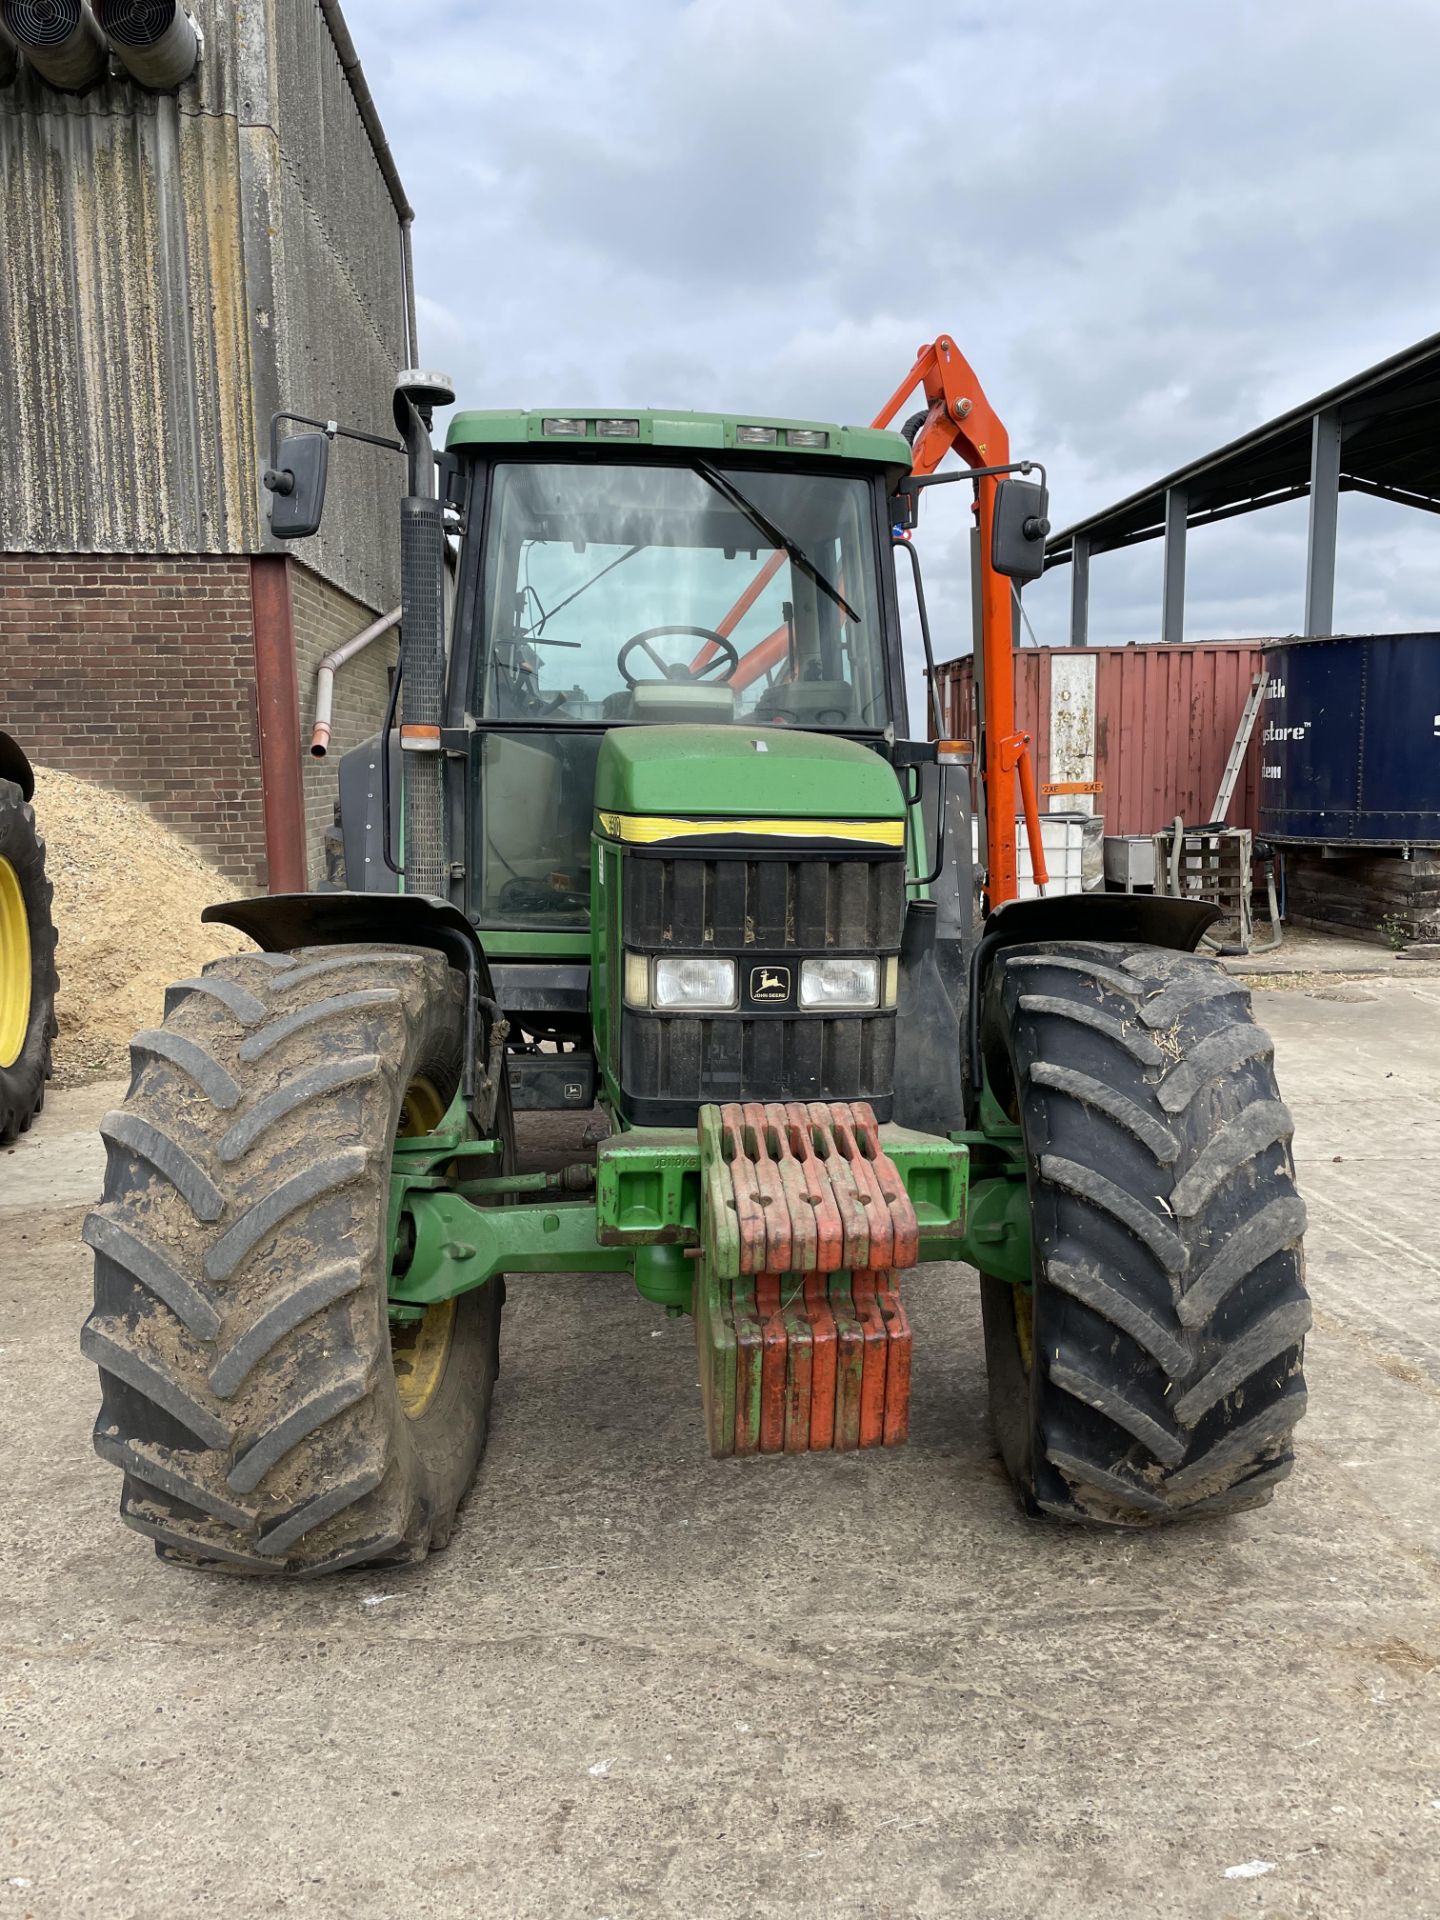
(27,949)
(646,829)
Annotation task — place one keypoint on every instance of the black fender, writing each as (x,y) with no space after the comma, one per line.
(14,766)
(280,922)
(1151,919)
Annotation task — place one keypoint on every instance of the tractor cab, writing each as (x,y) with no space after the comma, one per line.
(659,571)
(675,652)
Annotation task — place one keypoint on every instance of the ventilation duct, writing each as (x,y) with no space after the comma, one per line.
(155,39)
(9,57)
(61,41)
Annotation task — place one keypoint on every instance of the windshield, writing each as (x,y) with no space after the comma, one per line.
(617,593)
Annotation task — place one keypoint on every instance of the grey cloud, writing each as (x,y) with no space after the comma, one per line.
(1148,227)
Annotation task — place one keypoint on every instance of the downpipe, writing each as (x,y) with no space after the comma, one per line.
(330,665)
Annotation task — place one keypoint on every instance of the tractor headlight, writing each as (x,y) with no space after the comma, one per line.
(695,981)
(840,985)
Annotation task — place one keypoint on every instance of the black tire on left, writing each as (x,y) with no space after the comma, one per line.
(264,1415)
(24,1074)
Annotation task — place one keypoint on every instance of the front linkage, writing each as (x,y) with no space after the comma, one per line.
(783,1229)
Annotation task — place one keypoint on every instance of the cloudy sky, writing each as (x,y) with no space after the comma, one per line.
(1149,226)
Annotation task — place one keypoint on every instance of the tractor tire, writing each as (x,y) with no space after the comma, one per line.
(27,965)
(1153,1371)
(266,1418)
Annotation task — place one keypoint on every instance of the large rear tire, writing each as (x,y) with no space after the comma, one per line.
(1153,1370)
(265,1417)
(27,965)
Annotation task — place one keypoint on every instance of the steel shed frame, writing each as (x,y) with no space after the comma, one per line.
(1376,433)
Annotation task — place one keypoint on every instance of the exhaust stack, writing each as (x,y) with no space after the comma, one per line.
(156,40)
(61,41)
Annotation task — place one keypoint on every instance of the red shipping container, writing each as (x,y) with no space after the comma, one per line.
(1150,726)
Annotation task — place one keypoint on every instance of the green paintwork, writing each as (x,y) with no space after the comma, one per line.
(606,880)
(717,772)
(666,1275)
(506,944)
(917,852)
(647,1182)
(543,1237)
(647,1211)
(707,433)
(997,1234)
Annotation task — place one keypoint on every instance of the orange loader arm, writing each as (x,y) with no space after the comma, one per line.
(960,420)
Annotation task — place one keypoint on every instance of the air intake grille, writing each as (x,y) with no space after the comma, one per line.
(769,915)
(814,905)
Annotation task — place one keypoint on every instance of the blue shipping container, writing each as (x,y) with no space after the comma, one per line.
(1350,741)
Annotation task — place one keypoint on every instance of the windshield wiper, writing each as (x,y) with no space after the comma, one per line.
(796,555)
(538,633)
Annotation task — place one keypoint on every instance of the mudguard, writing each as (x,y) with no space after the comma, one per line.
(279,922)
(1152,919)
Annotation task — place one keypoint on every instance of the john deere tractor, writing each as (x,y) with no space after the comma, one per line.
(647,829)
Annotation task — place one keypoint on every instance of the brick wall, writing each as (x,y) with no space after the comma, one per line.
(138,671)
(324,618)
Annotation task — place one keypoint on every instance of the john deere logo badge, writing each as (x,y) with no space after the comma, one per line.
(769,984)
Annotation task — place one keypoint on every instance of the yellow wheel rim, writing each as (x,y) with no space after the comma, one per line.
(1024,1301)
(14,966)
(420,1349)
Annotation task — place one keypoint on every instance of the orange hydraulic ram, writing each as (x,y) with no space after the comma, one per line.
(961,420)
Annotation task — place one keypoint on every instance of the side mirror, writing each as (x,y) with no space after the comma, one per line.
(1021,522)
(296,484)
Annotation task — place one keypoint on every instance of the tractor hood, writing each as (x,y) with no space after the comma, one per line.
(725,772)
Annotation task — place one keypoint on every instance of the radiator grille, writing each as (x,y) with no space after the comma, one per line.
(805,906)
(758,909)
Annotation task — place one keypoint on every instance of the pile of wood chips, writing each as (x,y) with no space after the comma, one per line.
(128,896)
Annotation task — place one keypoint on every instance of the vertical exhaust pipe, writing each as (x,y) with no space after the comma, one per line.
(61,41)
(156,40)
(422,637)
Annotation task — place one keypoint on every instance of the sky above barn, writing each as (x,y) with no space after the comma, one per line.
(1149,228)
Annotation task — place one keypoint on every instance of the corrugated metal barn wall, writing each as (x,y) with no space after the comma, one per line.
(335,308)
(1157,723)
(124,332)
(173,269)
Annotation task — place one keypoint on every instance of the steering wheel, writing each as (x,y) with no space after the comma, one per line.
(678,670)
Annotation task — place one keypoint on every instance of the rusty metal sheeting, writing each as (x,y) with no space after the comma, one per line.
(124,340)
(1159,727)
(174,269)
(802,1341)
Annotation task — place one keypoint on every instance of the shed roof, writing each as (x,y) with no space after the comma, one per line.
(1390,446)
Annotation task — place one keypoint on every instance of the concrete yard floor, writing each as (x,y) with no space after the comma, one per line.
(644,1683)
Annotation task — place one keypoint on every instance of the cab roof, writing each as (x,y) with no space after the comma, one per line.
(616,430)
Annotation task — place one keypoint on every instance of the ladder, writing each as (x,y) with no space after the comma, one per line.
(1238,750)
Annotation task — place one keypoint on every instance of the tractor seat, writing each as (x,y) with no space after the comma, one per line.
(672,701)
